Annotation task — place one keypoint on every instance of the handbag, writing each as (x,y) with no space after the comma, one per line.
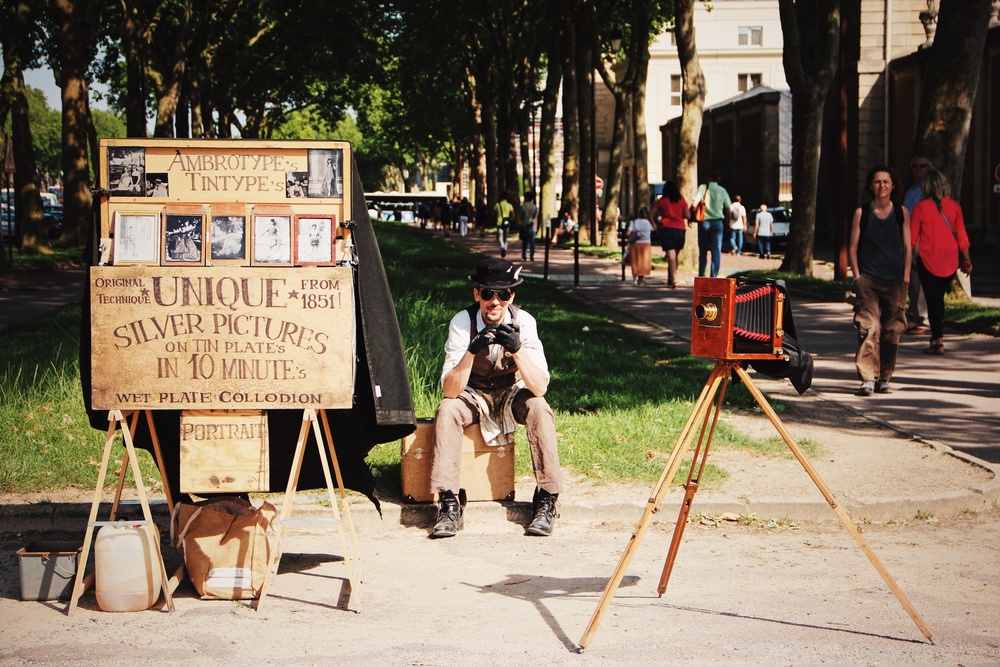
(698,213)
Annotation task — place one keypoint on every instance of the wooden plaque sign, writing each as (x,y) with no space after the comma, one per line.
(221,338)
(224,451)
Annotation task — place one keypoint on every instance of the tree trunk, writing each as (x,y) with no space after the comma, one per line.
(950,84)
(639,119)
(14,36)
(693,98)
(135,71)
(571,129)
(76,23)
(811,32)
(548,208)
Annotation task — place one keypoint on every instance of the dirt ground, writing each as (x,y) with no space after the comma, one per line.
(751,592)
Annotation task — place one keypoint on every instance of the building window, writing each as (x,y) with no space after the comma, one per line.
(748,81)
(750,36)
(675,90)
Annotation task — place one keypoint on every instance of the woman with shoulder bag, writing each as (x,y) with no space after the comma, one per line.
(937,232)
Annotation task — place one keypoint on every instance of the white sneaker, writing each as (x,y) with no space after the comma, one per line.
(867,388)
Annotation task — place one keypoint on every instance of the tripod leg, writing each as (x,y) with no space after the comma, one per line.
(655,499)
(844,518)
(698,460)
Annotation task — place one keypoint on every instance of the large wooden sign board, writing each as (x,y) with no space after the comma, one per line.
(208,338)
(222,282)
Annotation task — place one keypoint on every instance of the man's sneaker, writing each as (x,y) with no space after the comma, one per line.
(449,517)
(544,507)
(867,388)
(882,387)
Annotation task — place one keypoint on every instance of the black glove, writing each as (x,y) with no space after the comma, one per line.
(482,339)
(508,335)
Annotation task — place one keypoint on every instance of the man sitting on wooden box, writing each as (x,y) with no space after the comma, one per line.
(494,374)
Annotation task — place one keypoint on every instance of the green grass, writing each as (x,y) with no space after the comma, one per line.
(620,399)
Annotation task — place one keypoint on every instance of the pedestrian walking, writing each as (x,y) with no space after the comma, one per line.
(879,254)
(916,306)
(640,254)
(737,223)
(670,215)
(937,234)
(763,228)
(710,230)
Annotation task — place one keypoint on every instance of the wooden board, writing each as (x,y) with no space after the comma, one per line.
(487,472)
(224,451)
(222,338)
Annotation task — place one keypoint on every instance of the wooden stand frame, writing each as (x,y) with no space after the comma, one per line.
(715,389)
(341,516)
(115,419)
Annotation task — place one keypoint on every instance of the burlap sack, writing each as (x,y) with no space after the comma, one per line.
(227,545)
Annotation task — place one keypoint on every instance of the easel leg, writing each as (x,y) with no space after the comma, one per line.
(699,459)
(333,500)
(698,413)
(94,507)
(116,418)
(343,497)
(844,518)
(309,418)
(286,509)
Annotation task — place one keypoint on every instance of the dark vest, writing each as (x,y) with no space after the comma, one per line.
(880,246)
(487,376)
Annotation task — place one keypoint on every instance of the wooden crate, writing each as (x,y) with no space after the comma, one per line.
(487,472)
(224,451)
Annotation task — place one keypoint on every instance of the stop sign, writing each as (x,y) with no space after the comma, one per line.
(599,182)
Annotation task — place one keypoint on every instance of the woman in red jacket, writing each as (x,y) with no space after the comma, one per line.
(937,231)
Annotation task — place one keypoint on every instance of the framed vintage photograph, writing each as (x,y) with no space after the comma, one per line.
(296,184)
(228,240)
(326,172)
(158,185)
(137,237)
(314,240)
(183,240)
(127,171)
(272,240)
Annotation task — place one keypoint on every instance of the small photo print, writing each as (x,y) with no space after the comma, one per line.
(326,172)
(137,238)
(314,240)
(272,239)
(127,171)
(184,239)
(157,185)
(296,184)
(229,239)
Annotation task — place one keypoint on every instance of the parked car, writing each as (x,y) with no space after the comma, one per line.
(782,224)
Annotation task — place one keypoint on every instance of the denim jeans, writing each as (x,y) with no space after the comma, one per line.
(710,241)
(736,240)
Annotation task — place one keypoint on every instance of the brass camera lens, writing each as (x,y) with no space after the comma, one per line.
(707,312)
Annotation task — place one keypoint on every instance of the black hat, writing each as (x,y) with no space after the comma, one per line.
(496,273)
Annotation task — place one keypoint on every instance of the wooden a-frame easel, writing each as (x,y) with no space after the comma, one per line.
(117,418)
(713,392)
(341,516)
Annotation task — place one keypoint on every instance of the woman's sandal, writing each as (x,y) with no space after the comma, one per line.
(935,348)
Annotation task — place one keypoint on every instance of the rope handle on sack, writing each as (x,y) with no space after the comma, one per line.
(173,520)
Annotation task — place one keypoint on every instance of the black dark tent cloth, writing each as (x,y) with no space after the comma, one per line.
(798,367)
(383,405)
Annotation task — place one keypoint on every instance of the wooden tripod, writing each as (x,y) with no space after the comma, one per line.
(714,390)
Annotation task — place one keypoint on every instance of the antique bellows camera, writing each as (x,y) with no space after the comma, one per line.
(737,318)
(743,319)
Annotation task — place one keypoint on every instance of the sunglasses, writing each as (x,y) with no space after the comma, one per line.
(487,294)
(923,165)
